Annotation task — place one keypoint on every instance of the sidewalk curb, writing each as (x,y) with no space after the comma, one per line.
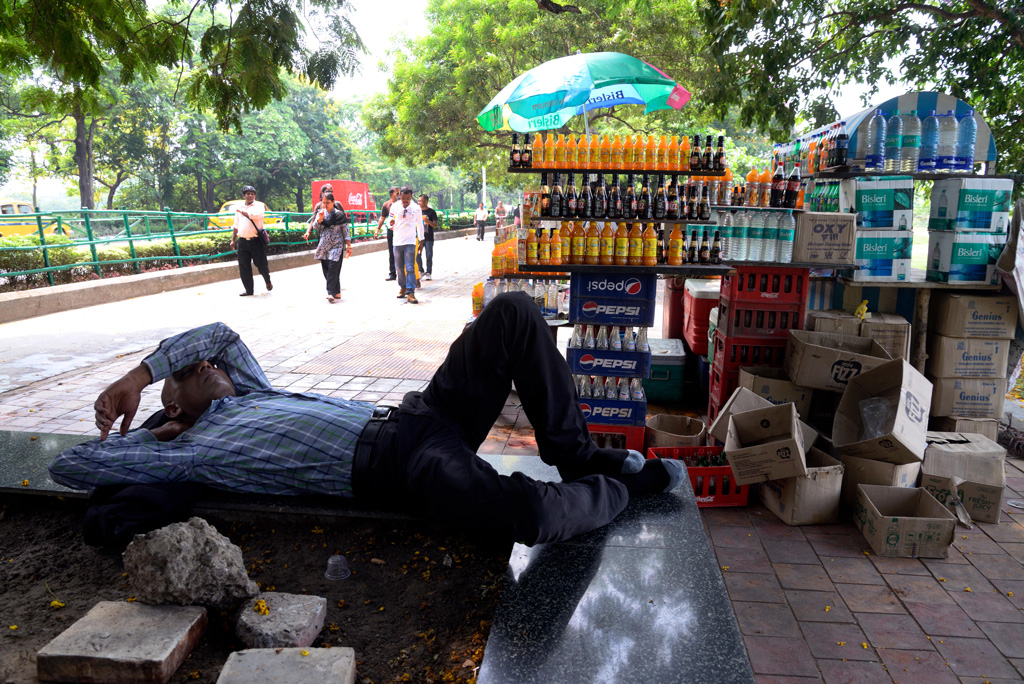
(16,306)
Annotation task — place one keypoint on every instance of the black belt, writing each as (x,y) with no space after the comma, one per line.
(368,438)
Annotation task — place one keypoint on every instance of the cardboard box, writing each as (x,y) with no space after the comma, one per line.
(773,385)
(826,239)
(964,471)
(866,471)
(889,330)
(882,256)
(975,204)
(964,257)
(903,523)
(811,499)
(829,362)
(881,203)
(743,400)
(968,397)
(765,444)
(833,322)
(989,427)
(674,431)
(965,315)
(966,357)
(902,439)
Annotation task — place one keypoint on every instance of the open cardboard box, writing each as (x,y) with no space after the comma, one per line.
(664,430)
(773,385)
(830,362)
(903,436)
(810,499)
(765,444)
(903,523)
(866,471)
(742,399)
(965,472)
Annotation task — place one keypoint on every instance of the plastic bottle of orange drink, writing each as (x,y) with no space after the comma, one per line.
(579,243)
(560,152)
(753,189)
(684,154)
(565,238)
(636,246)
(532,244)
(621,245)
(593,244)
(663,154)
(617,152)
(497,261)
(606,153)
(544,248)
(478,299)
(556,247)
(650,239)
(675,247)
(549,151)
(639,152)
(607,256)
(766,188)
(673,154)
(595,152)
(651,153)
(627,153)
(570,152)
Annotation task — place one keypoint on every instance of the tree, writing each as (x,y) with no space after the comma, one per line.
(776,55)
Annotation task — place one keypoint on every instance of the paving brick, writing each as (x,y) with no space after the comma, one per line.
(840,672)
(954,558)
(1015,587)
(937,619)
(834,545)
(750,586)
(955,577)
(899,566)
(893,631)
(765,619)
(786,551)
(725,516)
(810,577)
(818,606)
(919,589)
(917,667)
(735,537)
(292,620)
(1005,531)
(974,658)
(1019,664)
(783,679)
(743,560)
(121,643)
(780,656)
(869,598)
(852,570)
(290,666)
(839,640)
(1008,637)
(989,606)
(975,541)
(998,567)
(1015,550)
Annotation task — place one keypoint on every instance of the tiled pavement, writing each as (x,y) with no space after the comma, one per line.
(814,604)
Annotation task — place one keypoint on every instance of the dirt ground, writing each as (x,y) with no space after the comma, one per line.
(417,608)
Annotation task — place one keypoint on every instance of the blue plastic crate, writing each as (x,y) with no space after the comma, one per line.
(619,364)
(614,412)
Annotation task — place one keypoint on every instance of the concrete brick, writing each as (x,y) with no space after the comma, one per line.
(123,643)
(291,620)
(288,666)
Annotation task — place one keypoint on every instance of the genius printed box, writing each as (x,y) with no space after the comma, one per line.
(971,204)
(955,257)
(962,315)
(881,203)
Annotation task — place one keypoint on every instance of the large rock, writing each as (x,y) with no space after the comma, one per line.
(292,620)
(188,564)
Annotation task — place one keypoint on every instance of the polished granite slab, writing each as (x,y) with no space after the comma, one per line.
(26,455)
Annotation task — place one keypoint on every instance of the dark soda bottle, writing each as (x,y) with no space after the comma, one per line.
(600,198)
(673,199)
(556,198)
(661,200)
(614,199)
(515,154)
(526,156)
(545,196)
(585,201)
(778,192)
(720,154)
(569,197)
(708,161)
(643,203)
(629,203)
(692,252)
(792,188)
(695,159)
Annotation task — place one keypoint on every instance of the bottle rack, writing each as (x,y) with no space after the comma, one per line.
(689,270)
(535,169)
(840,172)
(744,207)
(673,222)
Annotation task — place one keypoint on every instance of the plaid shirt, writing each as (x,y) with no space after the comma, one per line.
(264,440)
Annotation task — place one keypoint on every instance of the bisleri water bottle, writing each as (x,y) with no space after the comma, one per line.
(967,134)
(893,142)
(946,156)
(910,142)
(929,143)
(875,156)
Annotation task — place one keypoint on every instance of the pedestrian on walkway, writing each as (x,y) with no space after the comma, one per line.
(384,214)
(500,212)
(517,216)
(481,221)
(427,244)
(247,231)
(334,245)
(408,220)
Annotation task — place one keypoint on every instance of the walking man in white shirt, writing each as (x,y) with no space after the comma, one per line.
(408,228)
(251,250)
(481,221)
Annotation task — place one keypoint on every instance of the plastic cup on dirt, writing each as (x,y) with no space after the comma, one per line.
(337,568)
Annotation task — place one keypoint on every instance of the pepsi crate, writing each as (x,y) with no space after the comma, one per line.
(713,485)
(614,411)
(619,364)
(617,436)
(732,353)
(767,285)
(743,319)
(613,299)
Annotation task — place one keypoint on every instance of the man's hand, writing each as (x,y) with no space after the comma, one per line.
(121,399)
(232,243)
(169,430)
(243,213)
(348,248)
(305,236)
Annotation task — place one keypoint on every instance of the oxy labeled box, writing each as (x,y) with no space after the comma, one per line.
(867,471)
(966,357)
(964,315)
(825,238)
(810,499)
(971,204)
(833,322)
(881,203)
(620,364)
(882,256)
(765,444)
(614,412)
(903,523)
(896,434)
(964,257)
(830,362)
(889,330)
(775,386)
(968,397)
(965,472)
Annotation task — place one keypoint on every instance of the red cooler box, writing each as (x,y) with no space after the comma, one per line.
(699,298)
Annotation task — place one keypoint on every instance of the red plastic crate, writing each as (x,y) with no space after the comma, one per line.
(712,485)
(743,319)
(723,384)
(733,353)
(714,406)
(766,285)
(634,435)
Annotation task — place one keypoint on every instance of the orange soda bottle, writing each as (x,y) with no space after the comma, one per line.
(593,244)
(478,299)
(627,153)
(639,153)
(570,152)
(684,154)
(617,152)
(606,153)
(544,248)
(560,152)
(556,247)
(565,246)
(728,183)
(595,152)
(621,245)
(532,243)
(579,243)
(497,261)
(812,166)
(663,154)
(651,153)
(650,246)
(636,246)
(549,152)
(673,154)
(766,188)
(753,190)
(675,247)
(607,256)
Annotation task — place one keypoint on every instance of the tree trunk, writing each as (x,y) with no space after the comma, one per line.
(83,157)
(199,194)
(300,195)
(212,206)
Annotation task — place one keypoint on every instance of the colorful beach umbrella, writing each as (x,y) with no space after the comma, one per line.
(548,95)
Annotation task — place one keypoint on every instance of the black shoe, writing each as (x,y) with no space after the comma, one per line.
(270,286)
(391,277)
(245,294)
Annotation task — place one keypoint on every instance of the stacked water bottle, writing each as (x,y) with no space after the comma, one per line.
(942,143)
(757,235)
(614,339)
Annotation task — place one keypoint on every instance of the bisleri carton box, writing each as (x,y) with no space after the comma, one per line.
(965,471)
(882,203)
(830,362)
(765,444)
(971,204)
(967,357)
(811,499)
(882,256)
(883,415)
(968,315)
(903,523)
(964,257)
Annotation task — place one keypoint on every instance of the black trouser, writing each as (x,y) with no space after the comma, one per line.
(480,230)
(252,251)
(426,461)
(391,253)
(332,274)
(428,247)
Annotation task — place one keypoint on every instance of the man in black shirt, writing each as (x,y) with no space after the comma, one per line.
(384,211)
(429,223)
